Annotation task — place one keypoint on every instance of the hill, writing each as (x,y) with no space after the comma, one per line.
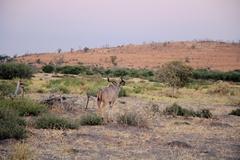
(199,54)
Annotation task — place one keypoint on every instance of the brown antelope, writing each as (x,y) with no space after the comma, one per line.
(109,94)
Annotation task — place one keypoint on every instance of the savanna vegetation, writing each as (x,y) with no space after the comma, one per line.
(146,107)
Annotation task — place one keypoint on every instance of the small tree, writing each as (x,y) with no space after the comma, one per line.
(48,68)
(4,58)
(15,70)
(176,74)
(113,59)
(86,49)
(59,50)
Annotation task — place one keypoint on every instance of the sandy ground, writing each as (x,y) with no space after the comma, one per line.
(201,54)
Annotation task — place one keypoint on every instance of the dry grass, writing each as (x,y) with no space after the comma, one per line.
(214,138)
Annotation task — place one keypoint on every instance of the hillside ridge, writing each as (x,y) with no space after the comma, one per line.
(221,56)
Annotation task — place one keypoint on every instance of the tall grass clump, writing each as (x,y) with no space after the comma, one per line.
(91,120)
(220,87)
(20,151)
(54,122)
(24,106)
(132,119)
(11,125)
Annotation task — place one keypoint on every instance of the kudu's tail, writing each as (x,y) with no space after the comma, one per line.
(99,95)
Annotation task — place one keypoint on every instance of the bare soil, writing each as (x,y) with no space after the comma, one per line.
(200,54)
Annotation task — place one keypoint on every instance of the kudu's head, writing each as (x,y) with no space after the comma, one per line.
(115,84)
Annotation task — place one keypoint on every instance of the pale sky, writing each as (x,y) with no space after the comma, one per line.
(37,26)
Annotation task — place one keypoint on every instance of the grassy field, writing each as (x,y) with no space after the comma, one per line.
(154,135)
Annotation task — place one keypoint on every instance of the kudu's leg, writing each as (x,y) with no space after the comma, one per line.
(110,117)
(100,107)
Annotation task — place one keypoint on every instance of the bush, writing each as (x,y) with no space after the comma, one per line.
(64,90)
(176,110)
(12,126)
(74,70)
(132,119)
(15,70)
(25,107)
(91,120)
(48,68)
(6,88)
(216,75)
(235,112)
(53,122)
(204,113)
(122,93)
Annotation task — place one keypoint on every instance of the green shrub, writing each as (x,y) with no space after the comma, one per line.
(54,122)
(235,112)
(6,88)
(74,70)
(122,93)
(137,90)
(12,126)
(64,90)
(216,75)
(132,119)
(25,107)
(176,110)
(15,70)
(204,113)
(91,120)
(48,68)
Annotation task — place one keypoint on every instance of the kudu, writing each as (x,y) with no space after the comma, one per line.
(109,94)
